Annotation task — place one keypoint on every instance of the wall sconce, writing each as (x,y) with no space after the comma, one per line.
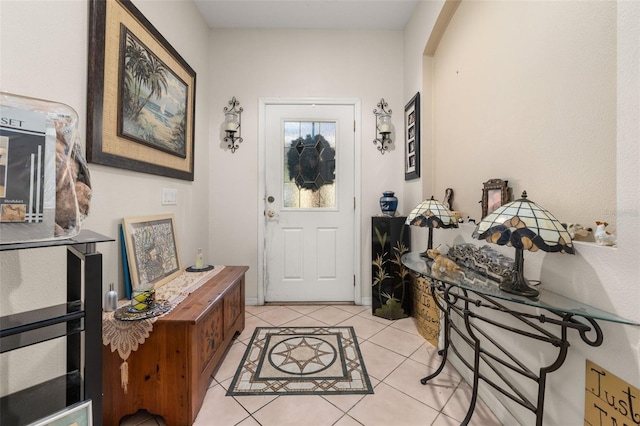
(383,126)
(232,124)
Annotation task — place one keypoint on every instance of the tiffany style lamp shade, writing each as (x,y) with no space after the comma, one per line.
(431,214)
(523,225)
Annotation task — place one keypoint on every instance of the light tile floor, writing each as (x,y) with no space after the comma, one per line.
(394,354)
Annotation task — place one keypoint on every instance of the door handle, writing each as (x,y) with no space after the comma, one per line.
(271,213)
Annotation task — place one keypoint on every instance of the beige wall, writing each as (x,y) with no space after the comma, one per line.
(417,71)
(254,64)
(526,92)
(558,84)
(43,54)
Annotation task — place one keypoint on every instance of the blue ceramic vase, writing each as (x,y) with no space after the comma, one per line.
(388,203)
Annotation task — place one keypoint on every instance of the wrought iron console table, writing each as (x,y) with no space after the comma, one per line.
(477,301)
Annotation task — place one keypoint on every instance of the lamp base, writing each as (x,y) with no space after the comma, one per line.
(425,254)
(519,286)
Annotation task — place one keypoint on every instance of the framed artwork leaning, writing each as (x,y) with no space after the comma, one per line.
(152,250)
(412,138)
(141,95)
(79,414)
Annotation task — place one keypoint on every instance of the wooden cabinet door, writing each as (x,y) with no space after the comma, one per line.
(210,335)
(232,306)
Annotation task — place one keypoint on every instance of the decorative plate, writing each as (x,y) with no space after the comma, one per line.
(204,268)
(127,313)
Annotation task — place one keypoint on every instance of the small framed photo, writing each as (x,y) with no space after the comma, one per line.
(412,138)
(75,415)
(495,193)
(152,250)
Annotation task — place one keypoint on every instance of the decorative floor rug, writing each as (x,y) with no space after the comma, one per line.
(301,361)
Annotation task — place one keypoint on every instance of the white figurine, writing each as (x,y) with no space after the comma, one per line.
(604,237)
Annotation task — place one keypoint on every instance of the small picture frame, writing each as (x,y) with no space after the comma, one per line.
(412,138)
(79,414)
(152,250)
(494,194)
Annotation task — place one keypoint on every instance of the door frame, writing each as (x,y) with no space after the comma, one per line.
(263,103)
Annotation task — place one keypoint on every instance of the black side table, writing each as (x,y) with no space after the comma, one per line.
(391,280)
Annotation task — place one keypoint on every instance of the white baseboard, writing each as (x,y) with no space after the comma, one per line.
(253,301)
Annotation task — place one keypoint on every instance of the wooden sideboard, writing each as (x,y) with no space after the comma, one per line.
(170,372)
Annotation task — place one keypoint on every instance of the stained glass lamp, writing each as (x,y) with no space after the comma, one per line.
(523,225)
(431,214)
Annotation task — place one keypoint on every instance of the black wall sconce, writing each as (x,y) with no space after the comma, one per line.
(232,124)
(383,126)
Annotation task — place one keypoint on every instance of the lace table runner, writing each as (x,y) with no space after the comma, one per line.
(127,336)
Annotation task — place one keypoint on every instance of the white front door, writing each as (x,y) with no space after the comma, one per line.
(309,203)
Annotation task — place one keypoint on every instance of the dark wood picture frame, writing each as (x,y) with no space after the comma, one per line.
(412,138)
(165,146)
(494,194)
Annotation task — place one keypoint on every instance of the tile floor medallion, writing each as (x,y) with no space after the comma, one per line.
(301,361)
(395,363)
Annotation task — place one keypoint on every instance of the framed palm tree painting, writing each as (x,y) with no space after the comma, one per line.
(152,102)
(141,95)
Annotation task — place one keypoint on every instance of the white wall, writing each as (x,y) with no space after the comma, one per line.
(251,64)
(43,54)
(526,91)
(416,67)
(416,34)
(540,79)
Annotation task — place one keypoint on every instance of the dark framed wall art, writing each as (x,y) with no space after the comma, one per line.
(412,138)
(141,95)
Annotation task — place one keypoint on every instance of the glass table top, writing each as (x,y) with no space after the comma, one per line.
(473,281)
(84,237)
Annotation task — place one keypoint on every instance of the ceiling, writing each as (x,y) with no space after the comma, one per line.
(308,14)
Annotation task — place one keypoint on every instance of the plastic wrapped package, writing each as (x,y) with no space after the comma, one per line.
(45,188)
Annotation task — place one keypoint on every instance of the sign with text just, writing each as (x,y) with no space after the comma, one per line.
(609,400)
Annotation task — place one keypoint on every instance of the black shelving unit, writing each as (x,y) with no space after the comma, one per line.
(390,239)
(78,316)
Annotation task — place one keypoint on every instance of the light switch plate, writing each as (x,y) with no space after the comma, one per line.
(169,197)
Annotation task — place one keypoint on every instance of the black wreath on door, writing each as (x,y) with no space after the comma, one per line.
(311,162)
